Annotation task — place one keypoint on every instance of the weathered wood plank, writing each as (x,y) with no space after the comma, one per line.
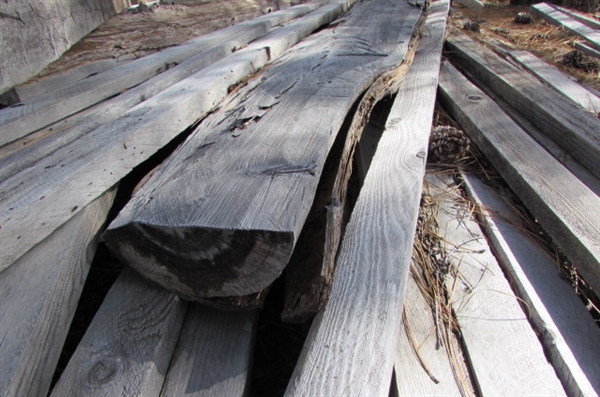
(586,49)
(38,297)
(505,353)
(562,83)
(474,4)
(33,203)
(127,348)
(576,130)
(27,151)
(24,118)
(563,205)
(592,23)
(245,215)
(213,354)
(557,18)
(566,328)
(350,349)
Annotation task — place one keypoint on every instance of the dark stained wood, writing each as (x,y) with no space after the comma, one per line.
(241,186)
(350,349)
(563,205)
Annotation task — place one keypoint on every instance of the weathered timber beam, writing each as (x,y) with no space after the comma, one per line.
(563,205)
(558,18)
(127,348)
(350,349)
(38,297)
(586,49)
(222,215)
(505,353)
(567,330)
(592,23)
(34,202)
(24,118)
(574,129)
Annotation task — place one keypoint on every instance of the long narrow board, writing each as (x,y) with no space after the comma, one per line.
(242,185)
(38,297)
(563,205)
(559,81)
(568,332)
(574,129)
(350,349)
(557,18)
(213,354)
(586,49)
(592,23)
(38,200)
(506,355)
(127,348)
(25,152)
(24,118)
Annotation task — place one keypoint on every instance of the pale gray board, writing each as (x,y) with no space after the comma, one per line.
(592,23)
(411,377)
(38,200)
(506,356)
(21,119)
(127,348)
(351,347)
(571,127)
(557,18)
(26,151)
(586,49)
(566,328)
(563,205)
(213,355)
(556,79)
(38,297)
(564,158)
(243,183)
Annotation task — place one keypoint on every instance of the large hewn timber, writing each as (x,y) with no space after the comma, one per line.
(24,118)
(571,127)
(38,200)
(222,215)
(563,205)
(350,349)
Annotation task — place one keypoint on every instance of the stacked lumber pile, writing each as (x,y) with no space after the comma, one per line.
(251,140)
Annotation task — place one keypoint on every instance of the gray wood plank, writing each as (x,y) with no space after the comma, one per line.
(213,354)
(127,348)
(38,297)
(563,205)
(566,328)
(506,355)
(562,83)
(574,129)
(557,18)
(245,215)
(592,23)
(586,49)
(33,203)
(27,151)
(350,349)
(24,118)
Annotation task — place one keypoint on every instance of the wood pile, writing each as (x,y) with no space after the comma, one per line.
(256,156)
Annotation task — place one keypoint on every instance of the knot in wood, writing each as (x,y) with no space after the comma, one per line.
(104,371)
(447,144)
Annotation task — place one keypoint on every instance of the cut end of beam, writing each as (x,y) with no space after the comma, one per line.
(199,263)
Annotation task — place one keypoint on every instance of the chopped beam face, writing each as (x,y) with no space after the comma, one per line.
(222,215)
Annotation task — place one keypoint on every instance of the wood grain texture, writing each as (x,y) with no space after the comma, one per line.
(38,297)
(505,354)
(350,347)
(563,205)
(574,129)
(127,348)
(213,354)
(555,17)
(25,152)
(562,83)
(566,328)
(245,215)
(35,200)
(24,118)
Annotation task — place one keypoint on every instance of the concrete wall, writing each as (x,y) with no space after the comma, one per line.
(34,33)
